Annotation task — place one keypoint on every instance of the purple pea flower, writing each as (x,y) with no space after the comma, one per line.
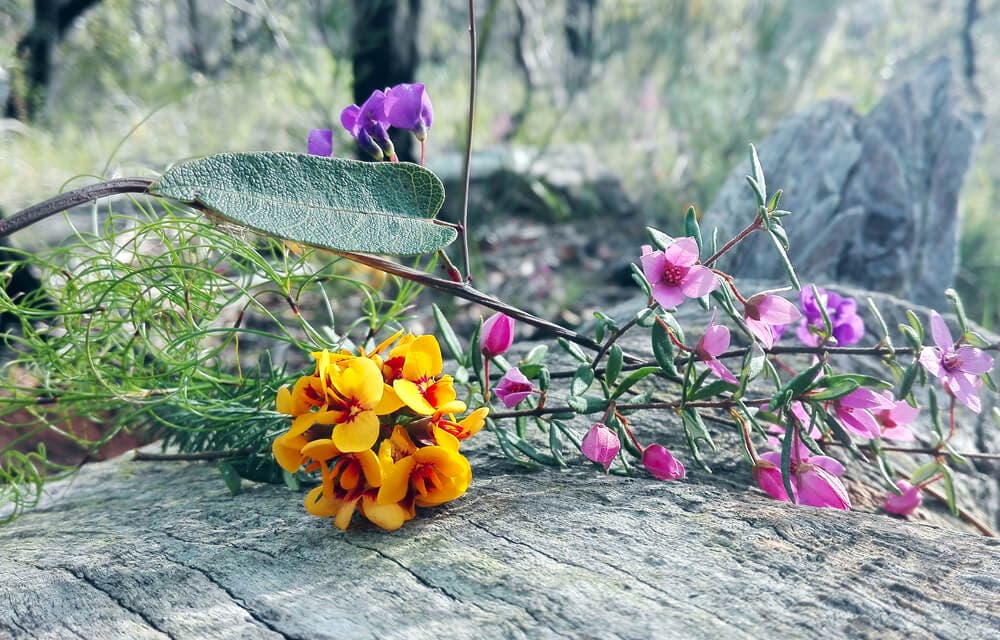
(957,368)
(814,480)
(674,274)
(894,422)
(320,143)
(513,388)
(497,335)
(777,431)
(847,326)
(765,309)
(905,504)
(662,464)
(600,445)
(713,342)
(856,411)
(368,124)
(407,106)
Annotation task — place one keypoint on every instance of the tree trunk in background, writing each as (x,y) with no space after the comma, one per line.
(385,53)
(30,80)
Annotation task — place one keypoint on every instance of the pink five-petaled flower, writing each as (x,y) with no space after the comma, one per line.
(713,342)
(856,411)
(893,422)
(958,369)
(320,143)
(674,274)
(600,445)
(513,388)
(407,106)
(905,504)
(497,335)
(662,464)
(765,309)
(814,479)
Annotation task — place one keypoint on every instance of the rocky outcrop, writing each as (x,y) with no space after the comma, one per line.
(874,198)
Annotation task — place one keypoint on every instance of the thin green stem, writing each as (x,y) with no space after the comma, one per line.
(467,167)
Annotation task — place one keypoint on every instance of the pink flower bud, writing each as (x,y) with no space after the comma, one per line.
(497,335)
(905,504)
(513,388)
(662,464)
(600,445)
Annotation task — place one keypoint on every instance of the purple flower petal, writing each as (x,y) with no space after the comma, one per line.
(974,361)
(930,359)
(940,332)
(662,464)
(714,341)
(762,331)
(667,296)
(776,310)
(320,143)
(905,504)
(865,399)
(349,119)
(408,106)
(513,388)
(699,281)
(683,252)
(832,465)
(654,264)
(721,371)
(818,488)
(600,445)
(859,421)
(965,390)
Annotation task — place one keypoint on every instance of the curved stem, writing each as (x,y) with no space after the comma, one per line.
(467,168)
(70,199)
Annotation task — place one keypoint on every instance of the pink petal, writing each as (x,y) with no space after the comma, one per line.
(721,371)
(818,488)
(667,295)
(699,281)
(762,331)
(683,252)
(715,340)
(859,421)
(939,330)
(903,413)
(865,399)
(899,433)
(767,474)
(903,505)
(653,266)
(965,391)
(974,360)
(832,465)
(930,359)
(777,310)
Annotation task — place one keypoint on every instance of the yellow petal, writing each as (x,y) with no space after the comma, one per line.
(423,359)
(360,381)
(319,504)
(287,451)
(344,514)
(401,441)
(390,401)
(445,461)
(445,439)
(357,435)
(301,424)
(370,466)
(396,480)
(385,516)
(284,402)
(350,477)
(409,393)
(322,449)
(382,346)
(473,423)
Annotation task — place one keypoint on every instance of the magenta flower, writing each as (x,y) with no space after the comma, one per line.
(856,411)
(674,274)
(513,388)
(497,335)
(320,143)
(957,368)
(600,445)
(847,326)
(407,106)
(894,422)
(814,479)
(662,464)
(777,431)
(903,505)
(765,309)
(368,124)
(713,342)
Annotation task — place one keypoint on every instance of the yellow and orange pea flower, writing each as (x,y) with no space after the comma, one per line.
(336,423)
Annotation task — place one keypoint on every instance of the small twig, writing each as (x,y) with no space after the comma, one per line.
(467,168)
(673,404)
(616,334)
(70,199)
(753,226)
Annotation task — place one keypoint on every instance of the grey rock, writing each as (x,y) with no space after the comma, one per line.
(874,198)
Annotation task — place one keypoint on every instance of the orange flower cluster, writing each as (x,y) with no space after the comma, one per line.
(380,428)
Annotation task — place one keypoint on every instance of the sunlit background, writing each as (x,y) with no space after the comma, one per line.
(667,93)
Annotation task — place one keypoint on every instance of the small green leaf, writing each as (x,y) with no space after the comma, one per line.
(448,334)
(785,262)
(758,172)
(476,357)
(833,391)
(535,356)
(932,408)
(695,433)
(640,279)
(231,477)
(544,378)
(860,379)
(925,472)
(841,433)
(753,364)
(886,338)
(963,320)
(772,204)
(660,239)
(614,366)
(531,371)
(786,460)
(582,379)
(556,447)
(631,379)
(331,203)
(796,386)
(572,349)
(909,377)
(663,349)
(691,227)
(712,390)
(918,326)
(949,489)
